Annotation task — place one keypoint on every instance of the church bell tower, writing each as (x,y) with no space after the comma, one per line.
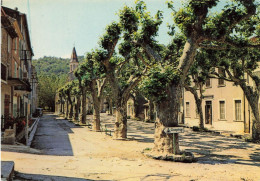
(74,63)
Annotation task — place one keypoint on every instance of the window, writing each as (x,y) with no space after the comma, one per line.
(3,72)
(9,44)
(221,72)
(14,106)
(222,110)
(208,83)
(15,45)
(15,70)
(20,52)
(187,109)
(20,73)
(197,112)
(238,110)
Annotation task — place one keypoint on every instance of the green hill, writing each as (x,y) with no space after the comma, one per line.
(53,65)
(52,73)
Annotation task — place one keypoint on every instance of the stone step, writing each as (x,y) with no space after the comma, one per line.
(7,170)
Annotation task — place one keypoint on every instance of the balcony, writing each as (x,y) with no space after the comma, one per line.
(20,86)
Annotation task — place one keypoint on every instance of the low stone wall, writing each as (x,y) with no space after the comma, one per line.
(9,136)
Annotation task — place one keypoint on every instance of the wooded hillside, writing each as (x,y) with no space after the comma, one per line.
(52,73)
(53,65)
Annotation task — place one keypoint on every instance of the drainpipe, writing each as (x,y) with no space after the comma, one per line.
(244,104)
(26,131)
(183,117)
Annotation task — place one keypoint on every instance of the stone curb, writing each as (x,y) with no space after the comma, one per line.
(33,131)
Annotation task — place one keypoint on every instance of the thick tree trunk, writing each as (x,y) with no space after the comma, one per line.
(71,107)
(67,109)
(74,112)
(151,110)
(110,105)
(167,116)
(60,108)
(97,97)
(198,101)
(76,109)
(199,109)
(121,122)
(253,100)
(188,55)
(71,110)
(83,115)
(96,116)
(256,122)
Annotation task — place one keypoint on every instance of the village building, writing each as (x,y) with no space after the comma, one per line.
(18,76)
(225,107)
(16,65)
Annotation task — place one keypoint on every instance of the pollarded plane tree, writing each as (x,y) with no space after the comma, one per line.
(202,29)
(195,83)
(77,102)
(123,70)
(67,89)
(83,83)
(157,87)
(95,81)
(64,97)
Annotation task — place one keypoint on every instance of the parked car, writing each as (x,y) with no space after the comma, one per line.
(39,111)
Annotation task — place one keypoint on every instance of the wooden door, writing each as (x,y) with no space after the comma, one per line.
(208,112)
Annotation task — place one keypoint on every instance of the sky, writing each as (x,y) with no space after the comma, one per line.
(57,25)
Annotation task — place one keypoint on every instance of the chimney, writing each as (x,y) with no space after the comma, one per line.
(16,9)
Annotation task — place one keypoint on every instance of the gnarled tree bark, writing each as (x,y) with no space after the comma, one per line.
(83,114)
(167,116)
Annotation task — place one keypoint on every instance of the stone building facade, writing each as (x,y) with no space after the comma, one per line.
(225,107)
(17,73)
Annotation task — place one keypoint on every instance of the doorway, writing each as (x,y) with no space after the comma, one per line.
(208,112)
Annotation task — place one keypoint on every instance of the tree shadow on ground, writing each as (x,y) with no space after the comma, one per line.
(158,177)
(52,136)
(208,148)
(39,177)
(139,138)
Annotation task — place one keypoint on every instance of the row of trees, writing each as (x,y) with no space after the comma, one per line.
(52,74)
(129,57)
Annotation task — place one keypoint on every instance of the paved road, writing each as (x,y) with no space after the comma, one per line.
(74,153)
(52,136)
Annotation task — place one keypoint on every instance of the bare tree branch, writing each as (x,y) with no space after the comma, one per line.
(110,53)
(145,63)
(151,53)
(133,81)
